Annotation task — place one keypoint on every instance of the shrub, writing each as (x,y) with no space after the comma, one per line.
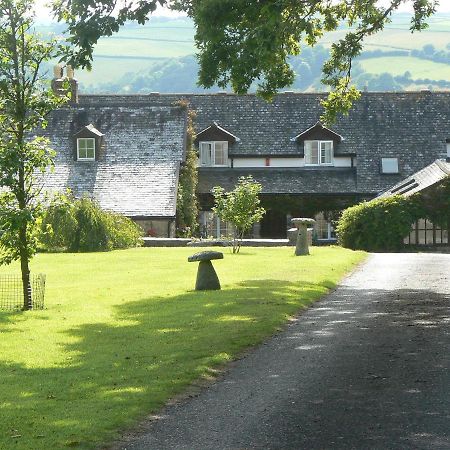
(58,223)
(82,226)
(240,207)
(380,224)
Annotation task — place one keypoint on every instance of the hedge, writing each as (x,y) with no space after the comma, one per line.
(377,225)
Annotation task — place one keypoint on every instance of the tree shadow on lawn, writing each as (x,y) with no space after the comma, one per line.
(116,372)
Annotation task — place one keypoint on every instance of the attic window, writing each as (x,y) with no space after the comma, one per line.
(86,149)
(318,153)
(88,143)
(214,153)
(389,165)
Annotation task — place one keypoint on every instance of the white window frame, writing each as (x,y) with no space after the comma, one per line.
(319,153)
(78,149)
(390,159)
(213,153)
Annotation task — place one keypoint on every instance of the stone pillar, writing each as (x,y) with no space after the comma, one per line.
(302,244)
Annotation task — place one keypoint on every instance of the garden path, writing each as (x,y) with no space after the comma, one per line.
(368,366)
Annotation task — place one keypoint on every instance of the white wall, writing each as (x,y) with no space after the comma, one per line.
(249,162)
(342,161)
(338,161)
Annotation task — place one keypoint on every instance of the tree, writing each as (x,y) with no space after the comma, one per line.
(25,101)
(240,207)
(241,41)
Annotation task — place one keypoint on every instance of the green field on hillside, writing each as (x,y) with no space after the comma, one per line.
(396,35)
(398,65)
(136,49)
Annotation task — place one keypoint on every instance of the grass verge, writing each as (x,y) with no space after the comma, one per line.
(123,332)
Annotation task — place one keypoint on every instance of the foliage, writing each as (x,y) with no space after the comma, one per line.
(239,207)
(378,225)
(187,204)
(59,223)
(241,42)
(434,203)
(82,226)
(25,101)
(123,332)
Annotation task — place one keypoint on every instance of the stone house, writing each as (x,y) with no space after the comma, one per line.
(126,154)
(127,151)
(306,168)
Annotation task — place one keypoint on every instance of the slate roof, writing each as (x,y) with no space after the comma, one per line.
(136,173)
(421,180)
(412,126)
(327,180)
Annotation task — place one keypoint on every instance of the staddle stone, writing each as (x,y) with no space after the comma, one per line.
(302,246)
(207,279)
(207,255)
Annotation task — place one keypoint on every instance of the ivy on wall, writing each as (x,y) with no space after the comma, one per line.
(187,202)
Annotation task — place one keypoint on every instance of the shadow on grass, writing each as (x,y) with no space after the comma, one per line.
(114,373)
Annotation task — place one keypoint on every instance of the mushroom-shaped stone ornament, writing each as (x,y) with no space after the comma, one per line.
(207,278)
(301,223)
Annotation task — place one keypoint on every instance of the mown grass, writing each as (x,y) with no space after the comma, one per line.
(123,332)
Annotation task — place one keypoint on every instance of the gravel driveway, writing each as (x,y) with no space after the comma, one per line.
(367,367)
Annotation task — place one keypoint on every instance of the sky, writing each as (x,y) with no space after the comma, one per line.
(43,15)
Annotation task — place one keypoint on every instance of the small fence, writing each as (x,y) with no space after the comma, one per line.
(11,292)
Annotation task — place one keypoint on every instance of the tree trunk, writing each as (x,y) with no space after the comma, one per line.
(24,266)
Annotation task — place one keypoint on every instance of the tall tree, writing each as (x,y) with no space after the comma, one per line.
(242,41)
(25,101)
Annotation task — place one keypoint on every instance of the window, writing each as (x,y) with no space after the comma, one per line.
(319,153)
(389,165)
(85,149)
(323,228)
(214,153)
(212,226)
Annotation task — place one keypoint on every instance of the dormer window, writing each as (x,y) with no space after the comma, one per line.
(213,153)
(88,143)
(318,153)
(85,149)
(319,144)
(213,144)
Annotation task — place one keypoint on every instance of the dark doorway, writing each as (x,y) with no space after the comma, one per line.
(274,225)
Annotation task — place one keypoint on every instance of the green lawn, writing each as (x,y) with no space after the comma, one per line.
(123,331)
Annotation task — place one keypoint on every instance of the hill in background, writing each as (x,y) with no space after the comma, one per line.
(160,57)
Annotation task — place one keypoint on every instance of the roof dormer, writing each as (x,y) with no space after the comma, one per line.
(216,133)
(87,143)
(318,132)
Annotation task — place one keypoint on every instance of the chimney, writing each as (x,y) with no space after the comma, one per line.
(59,82)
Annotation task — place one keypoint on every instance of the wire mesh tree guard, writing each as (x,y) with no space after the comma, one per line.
(11,292)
